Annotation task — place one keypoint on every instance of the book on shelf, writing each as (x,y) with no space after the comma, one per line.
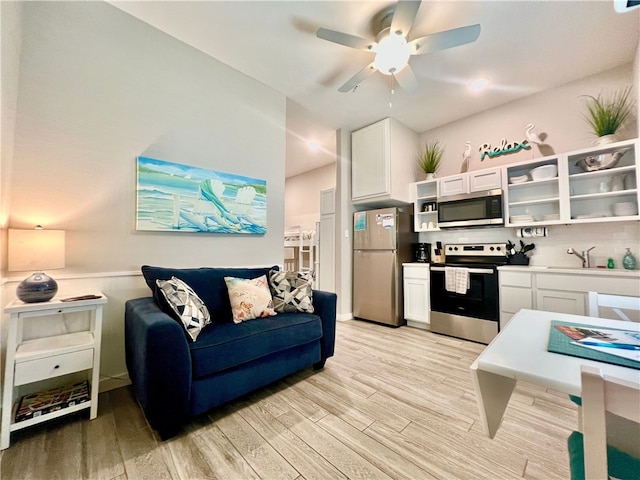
(609,345)
(47,401)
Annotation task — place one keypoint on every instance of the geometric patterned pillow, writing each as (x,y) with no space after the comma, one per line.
(250,298)
(186,304)
(291,291)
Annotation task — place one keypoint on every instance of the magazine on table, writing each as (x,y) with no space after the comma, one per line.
(621,343)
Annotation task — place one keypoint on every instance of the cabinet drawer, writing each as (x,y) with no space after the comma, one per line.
(516,279)
(54,366)
(420,272)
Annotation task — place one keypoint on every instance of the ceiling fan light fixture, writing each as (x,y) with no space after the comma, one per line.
(392,54)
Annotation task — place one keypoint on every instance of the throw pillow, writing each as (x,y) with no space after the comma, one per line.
(184,302)
(250,298)
(291,291)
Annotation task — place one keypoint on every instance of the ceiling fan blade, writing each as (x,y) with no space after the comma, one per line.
(405,13)
(344,39)
(407,79)
(447,39)
(358,78)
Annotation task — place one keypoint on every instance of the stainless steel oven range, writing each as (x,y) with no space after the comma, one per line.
(464,291)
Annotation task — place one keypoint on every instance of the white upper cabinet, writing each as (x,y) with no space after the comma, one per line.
(488,179)
(425,206)
(568,189)
(530,200)
(605,194)
(453,185)
(477,181)
(383,163)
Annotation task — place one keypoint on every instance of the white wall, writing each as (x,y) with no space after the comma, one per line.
(344,227)
(302,197)
(10,20)
(98,88)
(636,78)
(556,112)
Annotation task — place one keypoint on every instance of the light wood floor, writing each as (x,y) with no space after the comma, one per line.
(392,403)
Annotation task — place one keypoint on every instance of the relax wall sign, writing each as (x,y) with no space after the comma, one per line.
(503,149)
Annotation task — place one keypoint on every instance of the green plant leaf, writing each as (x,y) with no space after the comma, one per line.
(429,156)
(606,113)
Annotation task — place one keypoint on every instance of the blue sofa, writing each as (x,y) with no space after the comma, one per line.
(176,379)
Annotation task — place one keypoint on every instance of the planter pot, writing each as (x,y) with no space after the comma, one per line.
(431,176)
(518,259)
(605,139)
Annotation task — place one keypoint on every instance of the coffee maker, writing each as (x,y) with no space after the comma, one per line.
(422,252)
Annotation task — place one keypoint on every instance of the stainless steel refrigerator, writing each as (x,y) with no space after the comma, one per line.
(382,241)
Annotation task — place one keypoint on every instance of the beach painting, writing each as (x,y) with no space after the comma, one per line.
(178,198)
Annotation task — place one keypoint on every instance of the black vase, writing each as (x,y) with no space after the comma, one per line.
(38,287)
(518,259)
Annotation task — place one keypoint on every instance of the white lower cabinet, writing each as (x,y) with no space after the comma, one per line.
(515,293)
(416,294)
(561,301)
(558,290)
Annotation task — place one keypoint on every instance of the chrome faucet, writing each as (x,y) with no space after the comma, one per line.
(584,257)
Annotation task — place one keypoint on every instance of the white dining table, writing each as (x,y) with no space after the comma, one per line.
(519,352)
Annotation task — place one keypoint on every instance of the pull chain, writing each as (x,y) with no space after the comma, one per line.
(391,90)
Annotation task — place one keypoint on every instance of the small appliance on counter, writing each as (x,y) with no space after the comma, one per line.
(422,252)
(438,254)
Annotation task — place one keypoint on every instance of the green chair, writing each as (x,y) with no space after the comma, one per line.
(590,456)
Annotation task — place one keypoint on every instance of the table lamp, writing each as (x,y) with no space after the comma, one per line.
(36,249)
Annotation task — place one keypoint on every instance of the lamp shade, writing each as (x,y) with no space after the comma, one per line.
(37,249)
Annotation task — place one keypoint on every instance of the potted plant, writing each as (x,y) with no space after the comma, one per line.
(429,158)
(605,114)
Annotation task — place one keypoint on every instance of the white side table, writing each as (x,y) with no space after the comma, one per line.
(30,361)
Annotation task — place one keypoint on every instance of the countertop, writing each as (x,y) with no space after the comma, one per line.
(603,272)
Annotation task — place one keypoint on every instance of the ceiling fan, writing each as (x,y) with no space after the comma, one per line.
(391,47)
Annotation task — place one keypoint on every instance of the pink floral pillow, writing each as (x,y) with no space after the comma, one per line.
(250,298)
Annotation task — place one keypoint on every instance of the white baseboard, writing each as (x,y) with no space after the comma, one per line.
(420,325)
(344,317)
(111,383)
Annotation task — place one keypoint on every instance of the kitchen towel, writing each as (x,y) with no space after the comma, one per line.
(456,279)
(462,280)
(450,279)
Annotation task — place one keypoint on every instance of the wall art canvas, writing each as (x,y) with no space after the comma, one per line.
(180,198)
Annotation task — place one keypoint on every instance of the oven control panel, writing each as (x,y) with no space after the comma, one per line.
(476,250)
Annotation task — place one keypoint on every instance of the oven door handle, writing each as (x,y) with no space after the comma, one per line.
(471,270)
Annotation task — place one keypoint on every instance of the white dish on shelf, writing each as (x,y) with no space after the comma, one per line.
(544,172)
(589,215)
(519,179)
(521,218)
(550,217)
(624,209)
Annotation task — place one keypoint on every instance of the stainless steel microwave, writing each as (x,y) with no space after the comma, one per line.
(471,210)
